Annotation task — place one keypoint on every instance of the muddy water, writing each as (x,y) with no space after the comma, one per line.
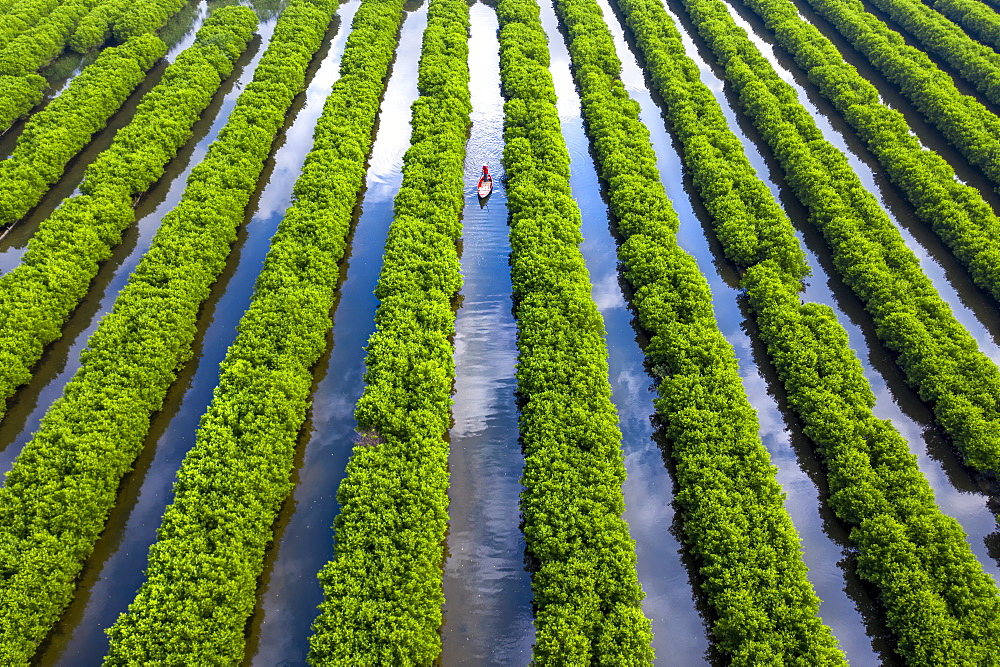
(488,616)
(289,591)
(959,493)
(115,572)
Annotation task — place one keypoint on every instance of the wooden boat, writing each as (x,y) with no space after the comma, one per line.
(485,186)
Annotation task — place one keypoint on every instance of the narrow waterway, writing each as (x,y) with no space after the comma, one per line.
(290,591)
(487,589)
(891,96)
(663,566)
(975,310)
(61,359)
(115,571)
(965,86)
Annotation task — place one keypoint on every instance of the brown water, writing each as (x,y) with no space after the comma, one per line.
(115,571)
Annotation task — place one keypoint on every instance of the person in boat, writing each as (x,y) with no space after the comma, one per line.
(486,174)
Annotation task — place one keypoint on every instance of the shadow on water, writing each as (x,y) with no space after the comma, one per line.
(61,360)
(892,97)
(850,610)
(975,310)
(964,86)
(960,492)
(14,238)
(290,591)
(115,571)
(488,609)
(677,611)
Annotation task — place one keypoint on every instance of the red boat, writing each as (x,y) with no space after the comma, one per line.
(485,186)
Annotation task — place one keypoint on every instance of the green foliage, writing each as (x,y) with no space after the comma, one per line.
(976,63)
(53,136)
(733,516)
(966,124)
(977,19)
(939,357)
(146,16)
(35,46)
(586,592)
(63,255)
(95,28)
(957,212)
(57,496)
(42,43)
(943,608)
(19,95)
(22,16)
(223,524)
(383,589)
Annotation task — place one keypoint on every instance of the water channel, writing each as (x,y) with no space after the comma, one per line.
(115,571)
(488,613)
(290,592)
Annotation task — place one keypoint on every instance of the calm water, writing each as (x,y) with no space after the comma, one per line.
(488,618)
(115,571)
(488,614)
(290,591)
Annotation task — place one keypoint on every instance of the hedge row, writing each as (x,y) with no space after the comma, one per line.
(978,19)
(974,62)
(733,516)
(965,123)
(18,96)
(21,88)
(64,483)
(587,596)
(64,254)
(146,16)
(40,44)
(875,484)
(956,212)
(383,589)
(203,571)
(21,16)
(53,136)
(95,28)
(78,23)
(938,356)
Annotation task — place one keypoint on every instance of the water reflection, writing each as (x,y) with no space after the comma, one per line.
(488,614)
(289,591)
(115,571)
